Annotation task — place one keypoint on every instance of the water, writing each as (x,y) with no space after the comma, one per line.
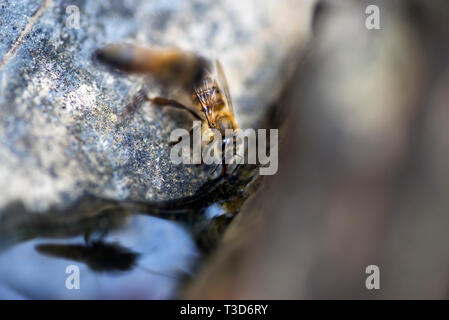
(123,250)
(163,252)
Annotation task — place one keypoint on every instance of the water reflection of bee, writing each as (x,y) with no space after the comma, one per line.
(206,96)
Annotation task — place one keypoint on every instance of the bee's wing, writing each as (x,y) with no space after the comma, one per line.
(224,85)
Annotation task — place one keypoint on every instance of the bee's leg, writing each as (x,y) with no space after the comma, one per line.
(234,141)
(164,102)
(222,174)
(142,96)
(135,104)
(224,168)
(172,143)
(216,167)
(237,166)
(224,165)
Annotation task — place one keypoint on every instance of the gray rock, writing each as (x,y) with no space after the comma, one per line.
(60,134)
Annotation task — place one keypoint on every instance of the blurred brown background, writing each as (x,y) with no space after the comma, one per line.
(364,173)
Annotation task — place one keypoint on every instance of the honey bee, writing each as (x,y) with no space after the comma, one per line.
(203,95)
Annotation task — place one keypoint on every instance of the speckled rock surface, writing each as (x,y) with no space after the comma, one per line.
(60,134)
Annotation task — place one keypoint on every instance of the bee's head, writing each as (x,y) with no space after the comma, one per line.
(225,121)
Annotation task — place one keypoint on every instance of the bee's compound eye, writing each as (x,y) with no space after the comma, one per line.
(224,123)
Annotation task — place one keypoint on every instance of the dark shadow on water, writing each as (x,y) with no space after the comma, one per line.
(99,256)
(124,249)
